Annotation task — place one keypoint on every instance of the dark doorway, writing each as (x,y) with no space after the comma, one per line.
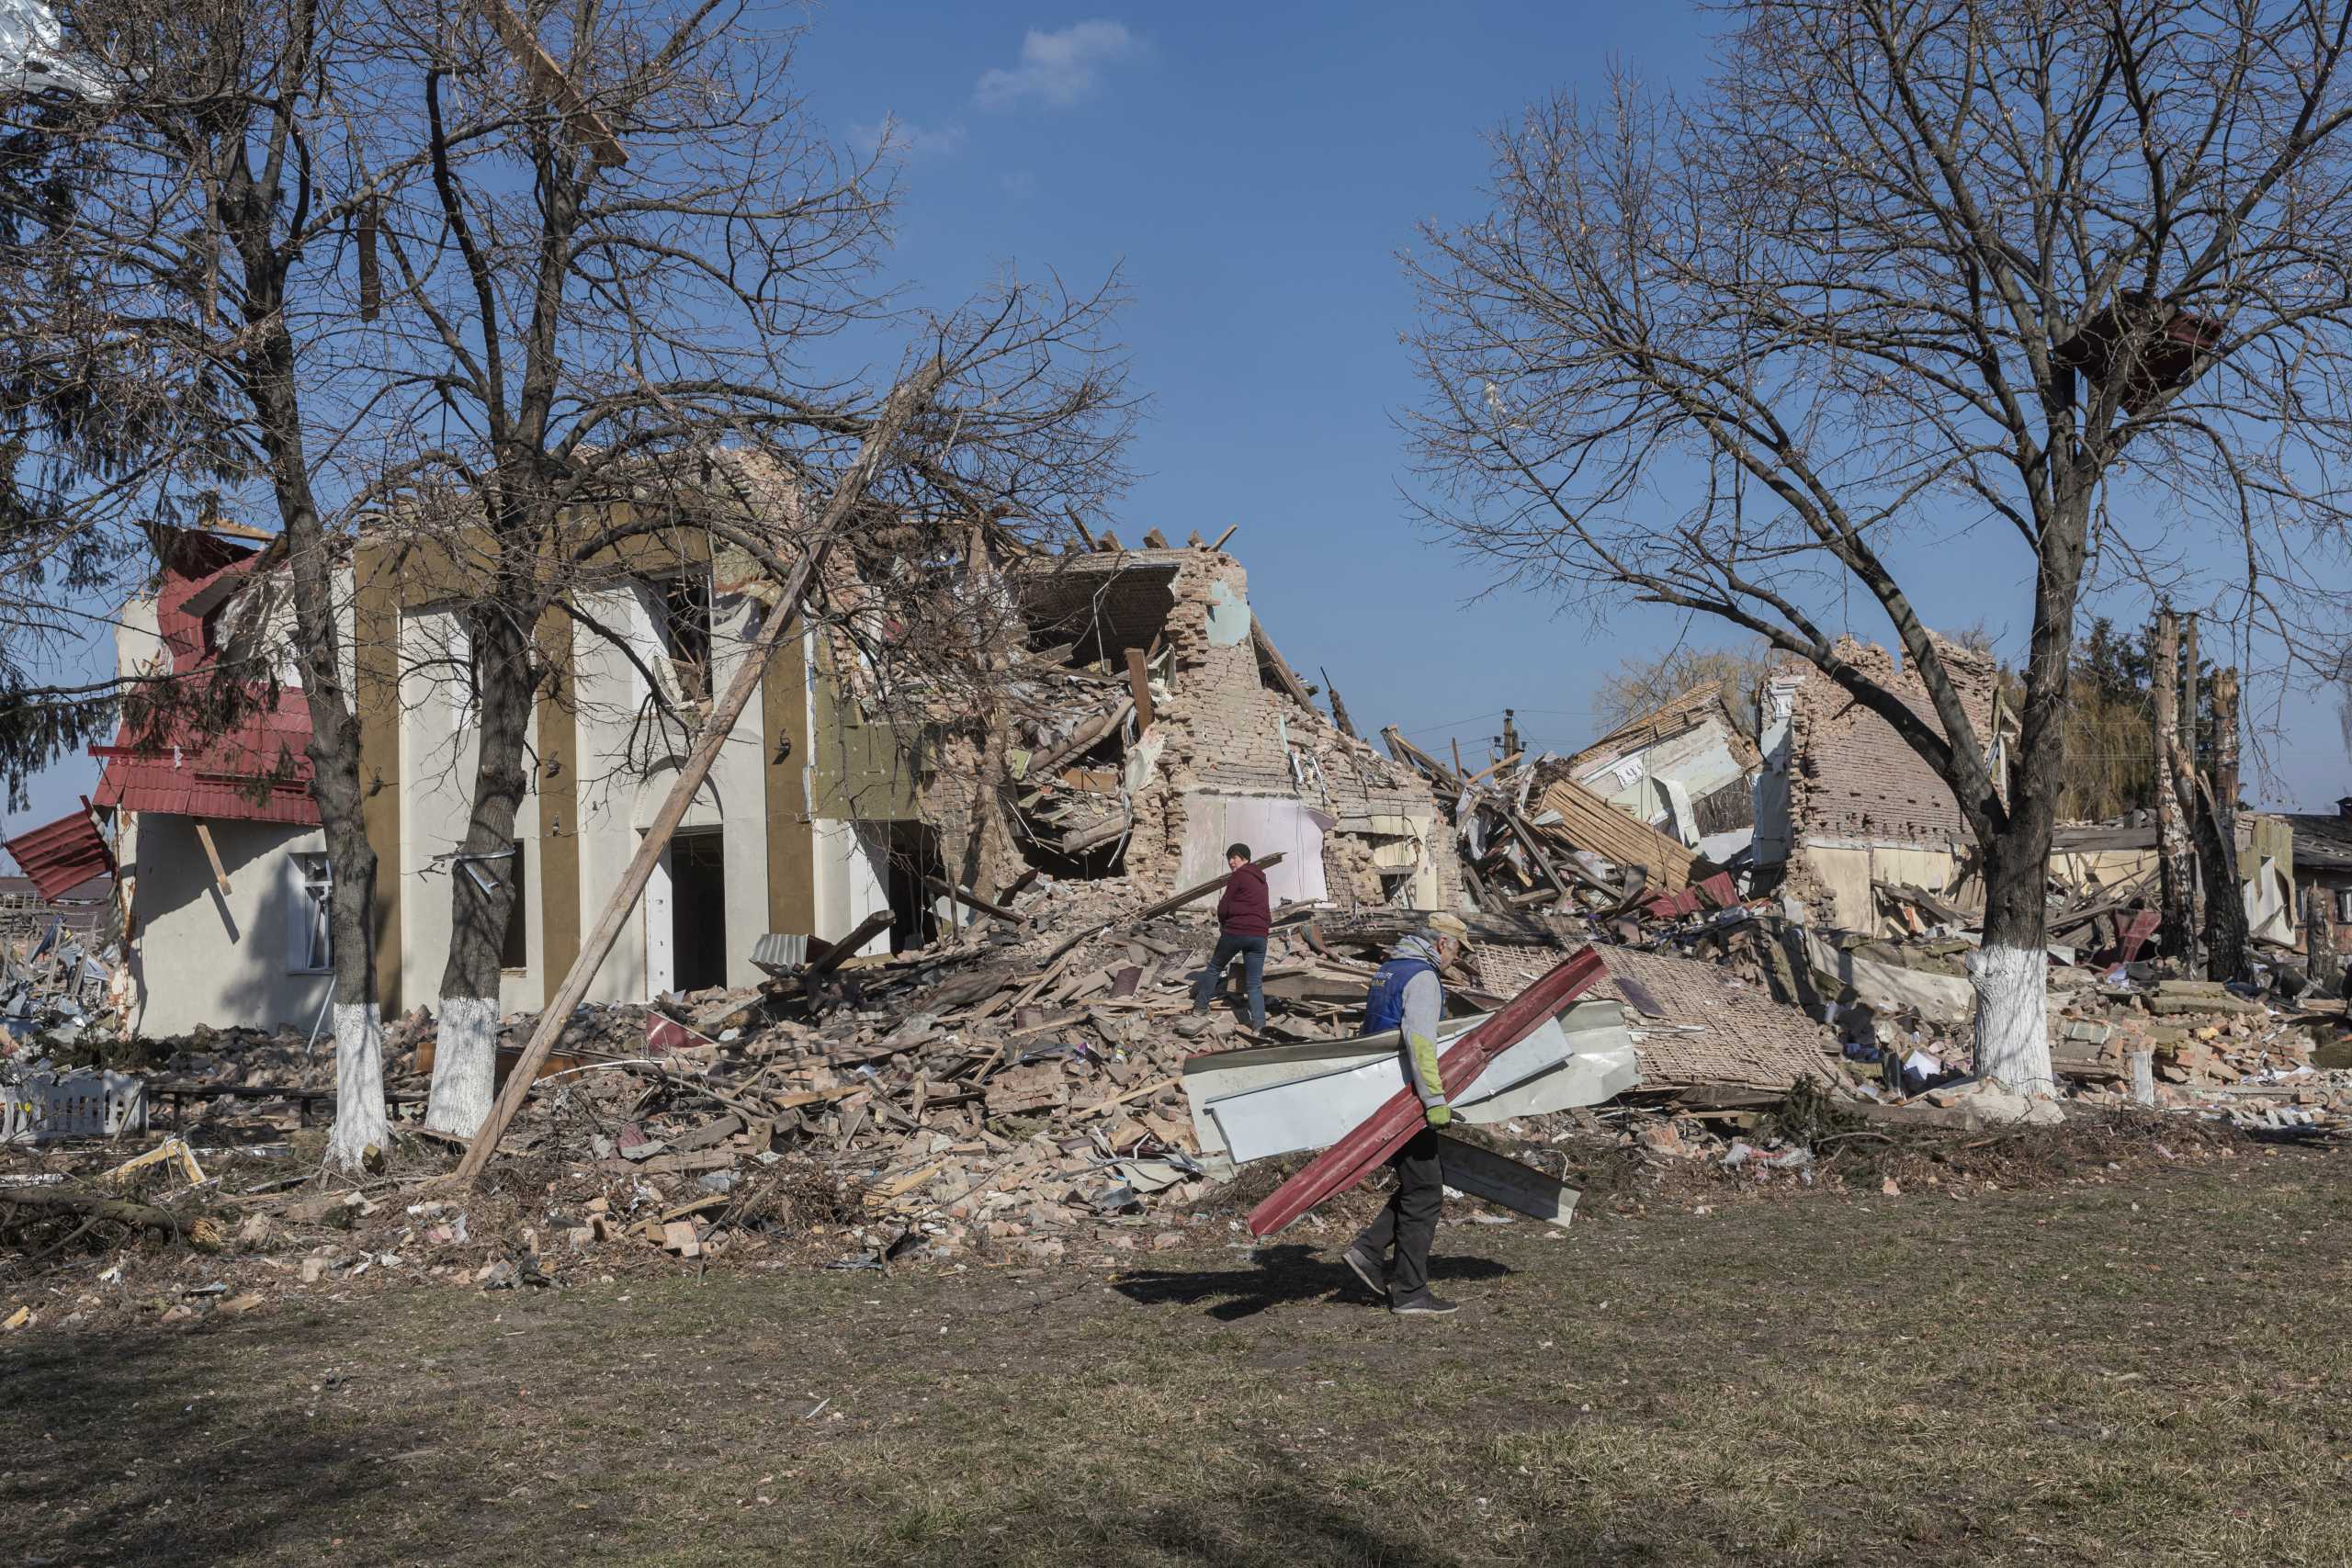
(912,853)
(697,910)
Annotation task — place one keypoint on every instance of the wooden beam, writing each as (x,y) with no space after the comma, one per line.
(204,837)
(1221,538)
(839,953)
(1284,674)
(1045,764)
(910,397)
(1494,767)
(971,901)
(1338,709)
(1174,901)
(1139,687)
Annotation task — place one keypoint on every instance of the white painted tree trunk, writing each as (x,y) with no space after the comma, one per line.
(465,1066)
(360,1123)
(2013,1017)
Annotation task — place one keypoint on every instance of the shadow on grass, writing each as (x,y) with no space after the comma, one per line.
(1280,1276)
(147,1448)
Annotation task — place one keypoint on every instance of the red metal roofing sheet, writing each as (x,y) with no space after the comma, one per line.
(220,776)
(61,855)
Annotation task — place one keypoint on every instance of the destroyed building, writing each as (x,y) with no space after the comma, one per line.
(1845,803)
(1149,722)
(1207,738)
(1685,767)
(2323,874)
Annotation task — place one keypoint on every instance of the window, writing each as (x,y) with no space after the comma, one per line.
(684,623)
(309,948)
(2344,906)
(515,948)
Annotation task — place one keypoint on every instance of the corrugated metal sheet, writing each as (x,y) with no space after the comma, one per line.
(220,777)
(59,856)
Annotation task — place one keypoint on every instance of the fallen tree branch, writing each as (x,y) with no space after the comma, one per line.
(201,1231)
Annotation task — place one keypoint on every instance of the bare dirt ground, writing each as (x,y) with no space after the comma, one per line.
(2150,1371)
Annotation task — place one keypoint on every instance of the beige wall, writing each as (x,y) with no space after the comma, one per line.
(1845,872)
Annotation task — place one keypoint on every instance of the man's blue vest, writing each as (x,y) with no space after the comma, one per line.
(1384,1004)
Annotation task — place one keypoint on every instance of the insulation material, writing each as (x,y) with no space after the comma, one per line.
(2269,905)
(1266,824)
(1890,988)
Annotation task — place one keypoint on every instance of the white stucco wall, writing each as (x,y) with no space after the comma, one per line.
(623,779)
(439,736)
(203,956)
(851,876)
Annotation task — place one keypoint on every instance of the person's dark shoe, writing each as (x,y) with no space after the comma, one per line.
(1423,1303)
(1366,1266)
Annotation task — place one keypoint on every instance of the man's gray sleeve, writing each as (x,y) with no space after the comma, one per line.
(1423,997)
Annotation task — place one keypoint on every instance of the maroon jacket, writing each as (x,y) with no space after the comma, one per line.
(1243,910)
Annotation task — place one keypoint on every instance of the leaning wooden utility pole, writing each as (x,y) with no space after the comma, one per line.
(911,396)
(2173,863)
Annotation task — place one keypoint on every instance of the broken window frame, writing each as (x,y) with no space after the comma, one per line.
(515,943)
(310,935)
(691,653)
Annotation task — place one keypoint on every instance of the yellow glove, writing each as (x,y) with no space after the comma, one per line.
(1437,1115)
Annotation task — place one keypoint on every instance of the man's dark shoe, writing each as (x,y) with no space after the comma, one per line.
(1367,1267)
(1423,1303)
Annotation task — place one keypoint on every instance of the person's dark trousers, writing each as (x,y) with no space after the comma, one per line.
(1411,1220)
(1252,950)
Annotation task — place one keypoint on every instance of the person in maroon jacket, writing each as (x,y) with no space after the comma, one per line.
(1244,921)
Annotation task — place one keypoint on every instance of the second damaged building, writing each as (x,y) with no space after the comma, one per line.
(1845,803)
(1162,725)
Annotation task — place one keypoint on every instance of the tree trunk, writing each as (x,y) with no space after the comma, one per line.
(2225,925)
(481,888)
(361,1129)
(2012,971)
(2173,869)
(250,209)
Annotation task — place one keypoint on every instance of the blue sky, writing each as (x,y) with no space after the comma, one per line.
(1253,171)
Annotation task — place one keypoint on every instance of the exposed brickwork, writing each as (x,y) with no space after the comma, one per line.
(1852,776)
(1223,730)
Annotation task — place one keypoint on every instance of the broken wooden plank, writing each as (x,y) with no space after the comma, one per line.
(1139,688)
(1153,911)
(971,900)
(204,837)
(1272,658)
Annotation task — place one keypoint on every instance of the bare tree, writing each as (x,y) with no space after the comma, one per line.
(1906,268)
(592,339)
(1637,685)
(223,181)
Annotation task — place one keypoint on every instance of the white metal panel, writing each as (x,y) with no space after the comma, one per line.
(1265,823)
(1547,1071)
